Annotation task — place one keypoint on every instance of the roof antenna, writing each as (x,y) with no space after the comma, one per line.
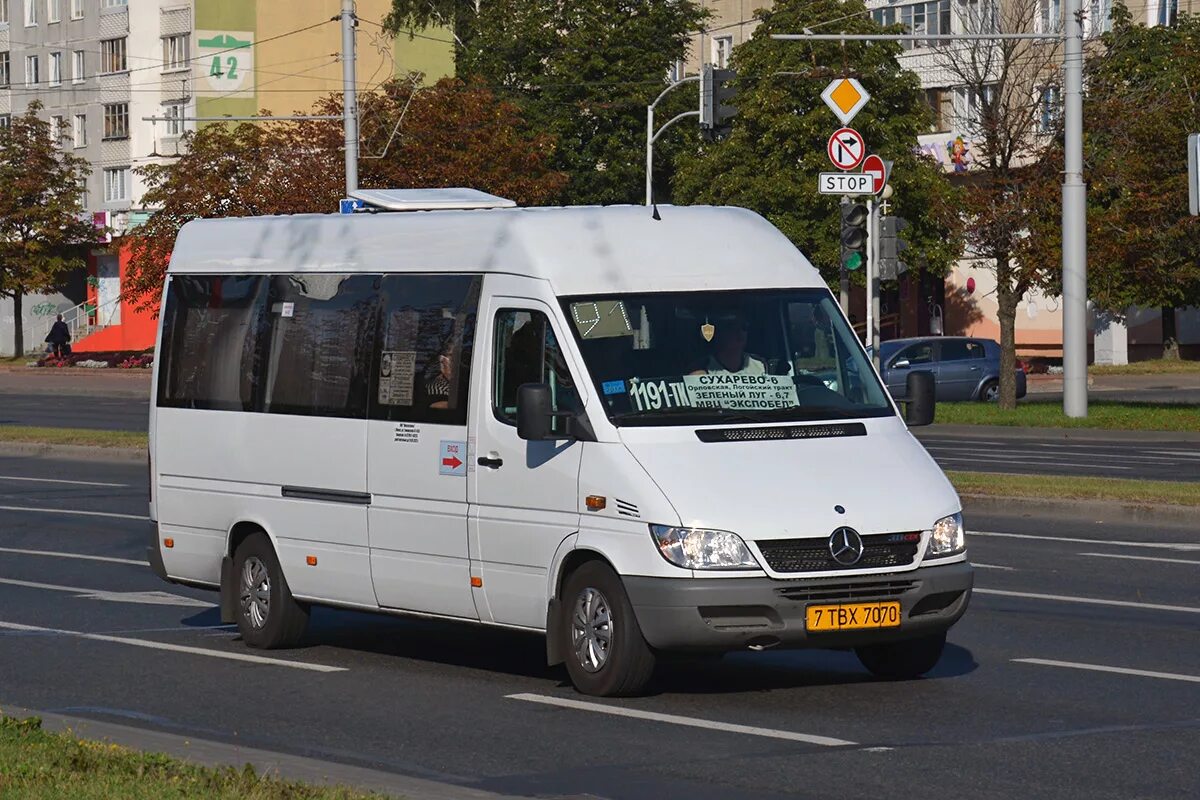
(654,214)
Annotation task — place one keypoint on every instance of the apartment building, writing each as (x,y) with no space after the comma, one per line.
(121,81)
(965,303)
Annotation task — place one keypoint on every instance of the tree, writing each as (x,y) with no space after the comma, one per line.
(42,227)
(771,160)
(451,134)
(580,71)
(1141,103)
(1006,85)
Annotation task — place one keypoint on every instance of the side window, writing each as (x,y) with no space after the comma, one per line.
(212,329)
(526,351)
(423,361)
(919,353)
(961,350)
(319,347)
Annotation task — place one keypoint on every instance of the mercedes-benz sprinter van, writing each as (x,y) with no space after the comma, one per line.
(637,432)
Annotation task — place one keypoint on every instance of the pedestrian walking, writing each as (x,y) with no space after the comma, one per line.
(59,338)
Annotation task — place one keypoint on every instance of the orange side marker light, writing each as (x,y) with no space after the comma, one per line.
(596,502)
(310,560)
(476,583)
(168,542)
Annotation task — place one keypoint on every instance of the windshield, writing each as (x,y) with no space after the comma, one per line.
(706,357)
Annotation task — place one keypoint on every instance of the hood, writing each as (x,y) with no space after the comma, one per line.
(788,488)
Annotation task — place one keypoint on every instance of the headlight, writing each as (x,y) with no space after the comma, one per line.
(696,548)
(947,536)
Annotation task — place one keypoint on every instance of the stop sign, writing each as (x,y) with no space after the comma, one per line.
(874,166)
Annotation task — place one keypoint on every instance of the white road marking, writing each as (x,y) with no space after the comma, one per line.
(1143,673)
(1088,600)
(60,480)
(175,648)
(1180,453)
(74,511)
(81,556)
(1015,462)
(149,598)
(672,719)
(1143,558)
(1187,546)
(977,565)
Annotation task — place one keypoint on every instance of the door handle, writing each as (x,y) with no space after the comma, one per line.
(492,463)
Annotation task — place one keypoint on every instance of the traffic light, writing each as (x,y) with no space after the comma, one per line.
(716,92)
(854,235)
(891,246)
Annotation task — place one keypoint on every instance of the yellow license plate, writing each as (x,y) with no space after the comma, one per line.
(852,616)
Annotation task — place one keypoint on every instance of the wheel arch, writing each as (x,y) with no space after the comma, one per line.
(570,561)
(238,533)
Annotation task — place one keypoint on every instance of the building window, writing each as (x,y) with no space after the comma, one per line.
(979,16)
(112,56)
(941,103)
(5,120)
(174,113)
(3,10)
(55,69)
(116,121)
(116,184)
(77,67)
(31,71)
(115,3)
(1051,108)
(722,50)
(76,9)
(1099,18)
(56,129)
(676,72)
(175,52)
(5,69)
(79,131)
(918,19)
(31,12)
(53,10)
(1162,12)
(1050,16)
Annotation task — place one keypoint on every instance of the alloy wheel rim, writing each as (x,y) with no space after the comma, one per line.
(591,630)
(255,592)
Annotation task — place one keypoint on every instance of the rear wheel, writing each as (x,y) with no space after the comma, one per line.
(990,392)
(268,617)
(605,652)
(904,660)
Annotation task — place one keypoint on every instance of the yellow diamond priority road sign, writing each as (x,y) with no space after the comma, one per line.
(845,97)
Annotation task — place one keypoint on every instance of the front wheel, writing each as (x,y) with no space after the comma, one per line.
(606,654)
(990,392)
(904,660)
(268,617)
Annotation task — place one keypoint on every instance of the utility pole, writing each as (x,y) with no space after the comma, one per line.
(652,135)
(350,95)
(1074,220)
(869,333)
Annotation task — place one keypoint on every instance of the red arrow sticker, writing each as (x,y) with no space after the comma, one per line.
(452,462)
(453,458)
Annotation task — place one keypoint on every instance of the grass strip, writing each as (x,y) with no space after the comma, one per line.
(38,765)
(1161,366)
(76,436)
(1102,414)
(1069,487)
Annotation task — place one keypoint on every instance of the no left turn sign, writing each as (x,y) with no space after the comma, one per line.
(846,148)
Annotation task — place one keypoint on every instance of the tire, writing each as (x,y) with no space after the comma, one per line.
(610,659)
(904,660)
(990,392)
(268,617)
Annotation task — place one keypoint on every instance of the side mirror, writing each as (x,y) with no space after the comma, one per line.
(921,402)
(901,364)
(535,422)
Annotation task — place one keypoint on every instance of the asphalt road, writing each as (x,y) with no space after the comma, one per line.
(99,412)
(477,707)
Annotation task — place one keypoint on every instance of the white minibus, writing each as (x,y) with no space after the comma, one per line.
(638,431)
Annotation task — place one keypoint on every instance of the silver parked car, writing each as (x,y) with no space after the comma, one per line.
(964,368)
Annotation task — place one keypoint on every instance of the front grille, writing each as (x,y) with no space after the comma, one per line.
(880,551)
(782,432)
(843,592)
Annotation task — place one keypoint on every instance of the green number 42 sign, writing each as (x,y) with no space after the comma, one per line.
(225,62)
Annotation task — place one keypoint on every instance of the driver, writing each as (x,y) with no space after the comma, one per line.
(729,354)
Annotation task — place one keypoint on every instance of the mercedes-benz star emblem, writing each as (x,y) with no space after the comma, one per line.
(846,546)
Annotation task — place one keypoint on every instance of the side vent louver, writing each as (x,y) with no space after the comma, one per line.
(627,509)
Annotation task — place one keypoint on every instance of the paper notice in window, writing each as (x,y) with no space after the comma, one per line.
(734,391)
(397,370)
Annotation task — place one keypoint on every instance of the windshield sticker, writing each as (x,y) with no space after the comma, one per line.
(397,369)
(729,391)
(601,319)
(613,387)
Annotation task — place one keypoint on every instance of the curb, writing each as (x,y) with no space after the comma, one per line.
(74,452)
(1108,512)
(1079,434)
(282,765)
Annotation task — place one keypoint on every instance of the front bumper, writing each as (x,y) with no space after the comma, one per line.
(717,614)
